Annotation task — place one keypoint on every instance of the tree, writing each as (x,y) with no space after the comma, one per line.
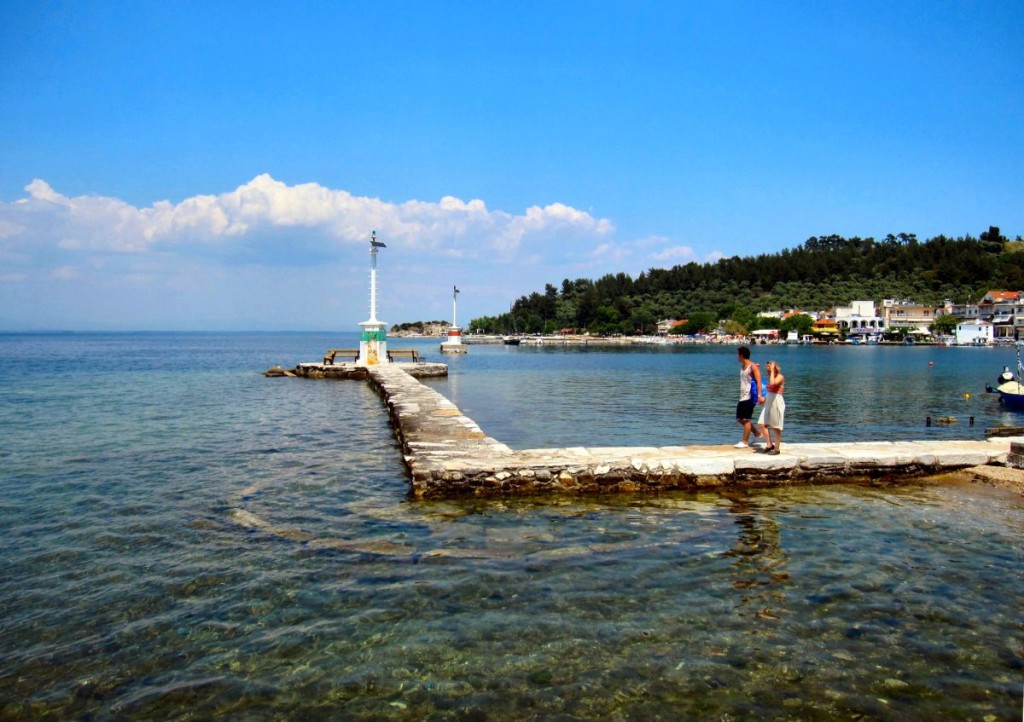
(801,322)
(644,320)
(699,322)
(762,322)
(823,272)
(944,325)
(744,316)
(735,328)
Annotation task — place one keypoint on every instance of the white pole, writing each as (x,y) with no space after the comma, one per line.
(455,293)
(373,277)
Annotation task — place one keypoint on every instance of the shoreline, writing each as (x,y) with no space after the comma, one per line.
(620,341)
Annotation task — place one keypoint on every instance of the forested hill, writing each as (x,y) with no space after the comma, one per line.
(823,272)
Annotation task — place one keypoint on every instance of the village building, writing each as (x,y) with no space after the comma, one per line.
(665,326)
(966,312)
(907,314)
(1000,309)
(974,333)
(825,327)
(998,298)
(859,318)
(1018,320)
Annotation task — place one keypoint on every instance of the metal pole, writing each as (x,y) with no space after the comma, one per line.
(373,276)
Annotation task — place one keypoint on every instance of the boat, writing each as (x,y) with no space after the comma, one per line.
(1011,393)
(511,341)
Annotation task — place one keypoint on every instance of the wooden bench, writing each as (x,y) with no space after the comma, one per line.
(410,354)
(352,353)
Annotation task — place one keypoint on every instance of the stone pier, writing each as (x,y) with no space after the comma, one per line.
(448,454)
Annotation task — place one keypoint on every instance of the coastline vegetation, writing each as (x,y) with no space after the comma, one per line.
(420,328)
(821,273)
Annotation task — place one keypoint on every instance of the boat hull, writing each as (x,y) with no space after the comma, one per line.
(1012,395)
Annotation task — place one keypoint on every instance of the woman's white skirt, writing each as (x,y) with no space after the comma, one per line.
(773,413)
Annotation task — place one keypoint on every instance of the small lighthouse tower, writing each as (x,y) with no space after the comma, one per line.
(373,340)
(454,342)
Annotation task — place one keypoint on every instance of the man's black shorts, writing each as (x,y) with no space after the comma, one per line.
(745,409)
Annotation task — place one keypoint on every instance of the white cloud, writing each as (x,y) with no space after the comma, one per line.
(451,226)
(676,254)
(264,249)
(9,229)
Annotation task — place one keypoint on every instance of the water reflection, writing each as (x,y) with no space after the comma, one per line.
(759,561)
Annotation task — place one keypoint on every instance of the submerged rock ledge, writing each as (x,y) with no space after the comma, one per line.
(448,454)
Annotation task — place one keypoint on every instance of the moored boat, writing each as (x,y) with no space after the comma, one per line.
(1011,392)
(1012,395)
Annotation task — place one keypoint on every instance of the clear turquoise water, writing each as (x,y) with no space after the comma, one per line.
(552,396)
(183,538)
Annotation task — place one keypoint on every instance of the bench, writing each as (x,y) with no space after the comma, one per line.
(410,354)
(352,353)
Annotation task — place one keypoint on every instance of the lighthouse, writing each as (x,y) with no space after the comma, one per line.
(454,344)
(373,339)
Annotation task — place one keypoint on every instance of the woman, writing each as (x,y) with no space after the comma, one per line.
(774,412)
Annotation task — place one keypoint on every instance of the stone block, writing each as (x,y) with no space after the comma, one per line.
(821,461)
(866,458)
(959,459)
(766,463)
(713,466)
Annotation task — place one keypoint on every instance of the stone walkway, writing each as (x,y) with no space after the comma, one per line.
(448,454)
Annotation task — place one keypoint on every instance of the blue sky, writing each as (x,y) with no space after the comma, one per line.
(197,165)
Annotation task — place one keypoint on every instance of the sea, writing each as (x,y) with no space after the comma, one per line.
(185,539)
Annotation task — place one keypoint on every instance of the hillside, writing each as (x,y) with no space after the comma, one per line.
(823,272)
(420,328)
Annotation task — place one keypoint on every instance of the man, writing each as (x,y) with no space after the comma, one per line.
(750,395)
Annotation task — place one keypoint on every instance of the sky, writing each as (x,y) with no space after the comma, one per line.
(221,165)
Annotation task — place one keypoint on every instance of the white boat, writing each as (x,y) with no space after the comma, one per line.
(1011,392)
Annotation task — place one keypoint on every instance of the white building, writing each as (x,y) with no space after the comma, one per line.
(974,333)
(859,318)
